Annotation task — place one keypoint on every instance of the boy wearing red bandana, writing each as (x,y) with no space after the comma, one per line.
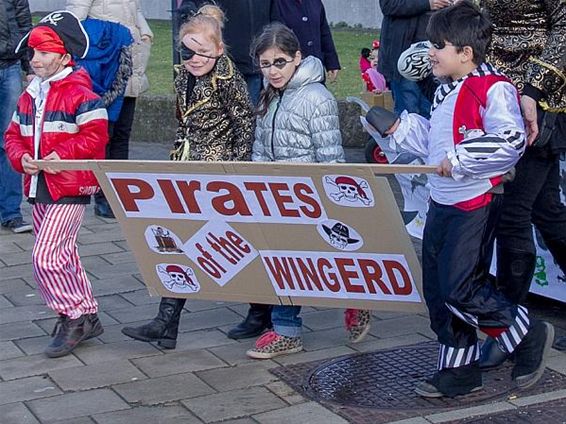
(59,117)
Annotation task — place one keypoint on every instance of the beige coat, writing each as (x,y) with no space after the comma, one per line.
(129,14)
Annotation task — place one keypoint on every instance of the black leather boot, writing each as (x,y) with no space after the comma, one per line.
(558,250)
(257,321)
(491,356)
(163,328)
(68,333)
(515,269)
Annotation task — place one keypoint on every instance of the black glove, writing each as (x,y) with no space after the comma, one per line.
(381,119)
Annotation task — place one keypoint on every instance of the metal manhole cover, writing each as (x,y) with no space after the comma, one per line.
(378,387)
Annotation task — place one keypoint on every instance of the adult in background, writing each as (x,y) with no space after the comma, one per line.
(307,19)
(129,14)
(404,23)
(528,46)
(15,22)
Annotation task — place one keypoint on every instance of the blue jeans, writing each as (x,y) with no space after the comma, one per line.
(286,320)
(10,181)
(254,83)
(408,96)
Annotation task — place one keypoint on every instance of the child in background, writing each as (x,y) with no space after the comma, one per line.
(216,123)
(475,136)
(375,81)
(297,122)
(59,117)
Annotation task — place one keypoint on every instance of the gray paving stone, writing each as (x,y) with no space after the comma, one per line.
(112,333)
(101,237)
(76,420)
(5,303)
(95,376)
(25,297)
(74,405)
(33,345)
(28,366)
(103,352)
(208,319)
(99,249)
(24,313)
(113,271)
(111,302)
(115,285)
(120,258)
(322,320)
(235,353)
(235,404)
(9,350)
(310,412)
(316,355)
(401,326)
(141,297)
(374,344)
(17,413)
(247,375)
(322,339)
(19,330)
(16,258)
(26,389)
(177,363)
(240,421)
(150,415)
(18,271)
(196,305)
(164,389)
(557,363)
(7,246)
(475,411)
(285,392)
(201,339)
(543,397)
(13,285)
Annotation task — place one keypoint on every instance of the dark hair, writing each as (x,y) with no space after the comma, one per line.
(462,24)
(273,35)
(365,52)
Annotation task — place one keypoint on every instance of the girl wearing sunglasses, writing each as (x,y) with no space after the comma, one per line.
(216,123)
(297,122)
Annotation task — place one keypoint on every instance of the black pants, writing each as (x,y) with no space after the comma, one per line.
(120,131)
(533,196)
(457,251)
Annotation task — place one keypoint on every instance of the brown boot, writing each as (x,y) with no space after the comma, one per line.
(68,333)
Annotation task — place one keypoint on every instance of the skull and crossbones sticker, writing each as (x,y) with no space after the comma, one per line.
(348,191)
(178,278)
(339,235)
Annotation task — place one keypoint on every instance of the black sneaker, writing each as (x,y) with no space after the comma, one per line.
(68,333)
(452,382)
(17,225)
(531,353)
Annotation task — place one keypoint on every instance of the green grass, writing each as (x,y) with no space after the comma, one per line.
(348,44)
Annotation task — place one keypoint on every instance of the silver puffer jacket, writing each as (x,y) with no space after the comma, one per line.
(301,124)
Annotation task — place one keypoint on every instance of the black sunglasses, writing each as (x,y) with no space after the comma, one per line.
(441,44)
(279,63)
(188,54)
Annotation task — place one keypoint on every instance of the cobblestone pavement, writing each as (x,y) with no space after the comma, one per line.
(112,379)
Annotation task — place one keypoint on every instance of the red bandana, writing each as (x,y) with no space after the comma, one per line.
(44,39)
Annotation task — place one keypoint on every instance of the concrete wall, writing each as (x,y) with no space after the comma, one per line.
(363,12)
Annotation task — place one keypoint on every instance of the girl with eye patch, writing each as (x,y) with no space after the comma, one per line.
(216,123)
(297,122)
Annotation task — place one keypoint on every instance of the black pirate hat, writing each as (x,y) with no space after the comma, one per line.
(341,230)
(69,29)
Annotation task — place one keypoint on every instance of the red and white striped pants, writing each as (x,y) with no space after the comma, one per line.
(57,268)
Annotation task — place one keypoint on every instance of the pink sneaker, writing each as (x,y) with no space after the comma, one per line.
(357,323)
(271,344)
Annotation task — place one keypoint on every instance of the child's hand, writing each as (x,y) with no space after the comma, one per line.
(52,156)
(28,166)
(445,168)
(331,75)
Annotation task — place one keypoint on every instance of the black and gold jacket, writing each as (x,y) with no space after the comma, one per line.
(529,46)
(215,114)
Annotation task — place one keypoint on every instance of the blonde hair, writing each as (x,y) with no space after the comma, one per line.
(209,19)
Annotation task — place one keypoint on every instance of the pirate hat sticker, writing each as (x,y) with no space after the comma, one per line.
(177,278)
(344,190)
(339,235)
(162,240)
